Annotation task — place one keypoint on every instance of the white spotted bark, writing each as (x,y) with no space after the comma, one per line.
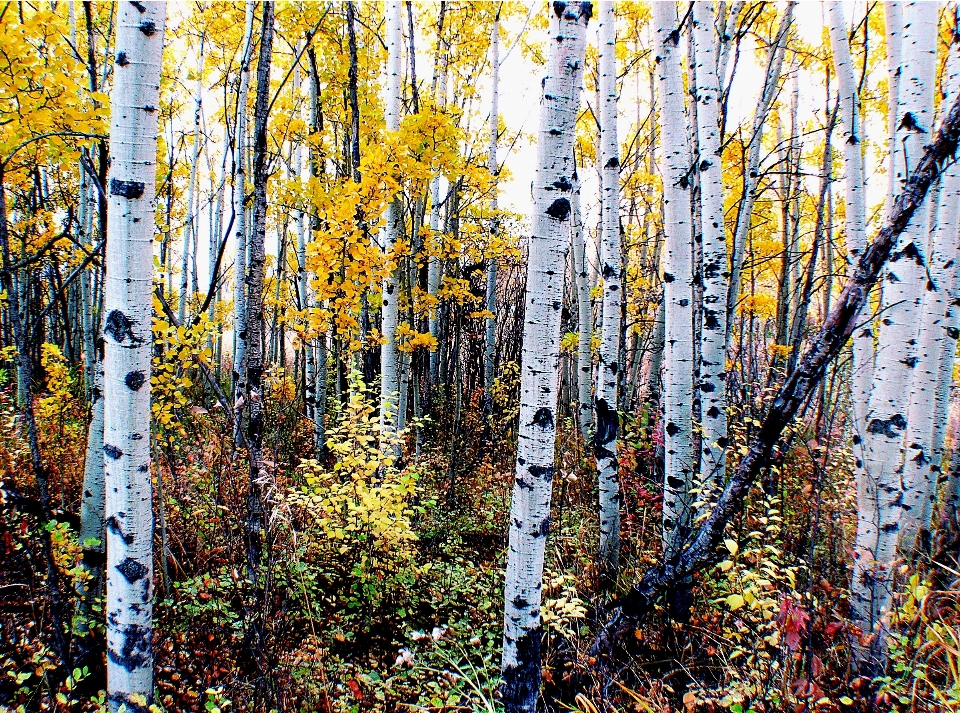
(921,457)
(584,318)
(677,283)
(530,508)
(127,338)
(190,229)
(716,272)
(239,214)
(876,546)
(389,382)
(855,233)
(611,259)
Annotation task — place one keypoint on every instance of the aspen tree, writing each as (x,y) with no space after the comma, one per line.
(239,212)
(584,317)
(255,320)
(677,283)
(389,383)
(190,229)
(855,212)
(127,339)
(896,353)
(716,272)
(490,323)
(605,406)
(530,507)
(920,455)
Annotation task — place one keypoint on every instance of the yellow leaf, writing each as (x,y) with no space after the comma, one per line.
(735,601)
(732,547)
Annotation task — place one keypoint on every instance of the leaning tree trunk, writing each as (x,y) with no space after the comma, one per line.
(127,339)
(239,215)
(895,360)
(677,285)
(489,345)
(716,273)
(530,508)
(390,314)
(706,548)
(605,406)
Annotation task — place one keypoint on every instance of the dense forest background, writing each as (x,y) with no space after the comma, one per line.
(329,382)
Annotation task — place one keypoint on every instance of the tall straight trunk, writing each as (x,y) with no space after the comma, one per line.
(677,284)
(434,267)
(490,324)
(389,383)
(611,259)
(855,228)
(921,456)
(190,232)
(255,320)
(240,216)
(127,340)
(92,536)
(315,358)
(751,173)
(584,318)
(876,547)
(530,508)
(716,274)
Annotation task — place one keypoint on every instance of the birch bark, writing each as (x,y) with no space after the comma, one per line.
(239,212)
(127,338)
(677,284)
(530,508)
(716,273)
(607,419)
(584,318)
(389,383)
(896,351)
(190,229)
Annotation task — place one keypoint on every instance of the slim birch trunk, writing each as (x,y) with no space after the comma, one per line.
(530,508)
(434,266)
(489,346)
(584,318)
(605,407)
(190,229)
(127,340)
(255,319)
(751,176)
(240,216)
(876,547)
(677,284)
(855,228)
(389,383)
(92,536)
(716,274)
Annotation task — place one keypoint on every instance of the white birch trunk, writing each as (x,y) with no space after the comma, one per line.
(584,319)
(92,538)
(434,266)
(896,351)
(389,385)
(127,339)
(716,272)
(855,229)
(926,425)
(677,283)
(607,419)
(240,216)
(190,229)
(493,167)
(530,508)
